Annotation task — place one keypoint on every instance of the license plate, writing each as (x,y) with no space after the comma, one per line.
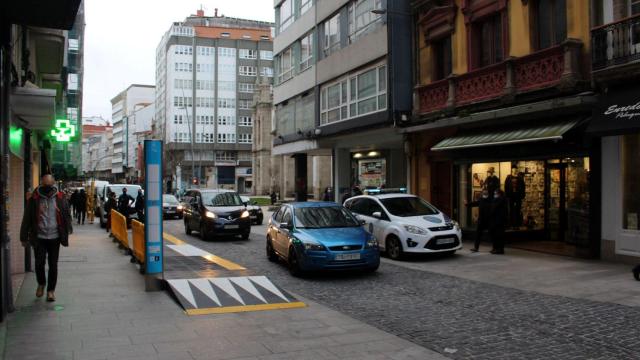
(253,217)
(232,226)
(342,257)
(170,211)
(445,241)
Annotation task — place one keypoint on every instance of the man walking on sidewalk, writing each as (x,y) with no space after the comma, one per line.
(81,206)
(46,225)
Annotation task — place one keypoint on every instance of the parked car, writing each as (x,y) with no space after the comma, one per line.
(320,236)
(117,188)
(215,212)
(255,211)
(406,224)
(171,207)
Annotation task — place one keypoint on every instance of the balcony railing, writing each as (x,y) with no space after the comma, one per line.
(548,68)
(616,43)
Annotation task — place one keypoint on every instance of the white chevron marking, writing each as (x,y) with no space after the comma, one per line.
(267,284)
(244,283)
(182,287)
(224,284)
(205,286)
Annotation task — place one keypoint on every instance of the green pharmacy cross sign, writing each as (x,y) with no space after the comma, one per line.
(63,131)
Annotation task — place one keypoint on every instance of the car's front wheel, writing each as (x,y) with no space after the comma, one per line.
(294,263)
(394,248)
(271,253)
(203,232)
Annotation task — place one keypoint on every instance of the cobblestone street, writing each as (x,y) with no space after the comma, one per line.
(459,318)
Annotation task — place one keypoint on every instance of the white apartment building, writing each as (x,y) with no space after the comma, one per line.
(206,71)
(123,105)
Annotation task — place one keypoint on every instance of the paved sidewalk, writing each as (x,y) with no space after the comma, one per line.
(102,312)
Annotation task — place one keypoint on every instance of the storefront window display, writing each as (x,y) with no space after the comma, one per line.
(372,173)
(550,195)
(630,182)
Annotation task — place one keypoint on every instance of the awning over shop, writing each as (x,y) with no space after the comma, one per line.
(617,113)
(35,106)
(522,134)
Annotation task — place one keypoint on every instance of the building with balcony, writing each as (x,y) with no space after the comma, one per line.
(97,150)
(615,41)
(123,106)
(206,71)
(502,99)
(33,87)
(342,83)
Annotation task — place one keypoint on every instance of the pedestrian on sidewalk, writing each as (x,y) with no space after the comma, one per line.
(484,217)
(112,204)
(81,206)
(72,202)
(46,225)
(140,206)
(123,204)
(499,214)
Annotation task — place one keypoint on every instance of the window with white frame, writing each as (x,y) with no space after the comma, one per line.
(183,50)
(182,101)
(306,52)
(204,119)
(72,82)
(181,137)
(226,85)
(205,138)
(226,52)
(74,45)
(244,104)
(204,84)
(355,95)
(225,155)
(205,50)
(245,121)
(182,83)
(245,138)
(183,67)
(266,71)
(305,5)
(226,103)
(266,55)
(226,138)
(204,68)
(331,41)
(226,120)
(177,119)
(286,14)
(205,102)
(361,18)
(285,71)
(247,70)
(248,54)
(246,87)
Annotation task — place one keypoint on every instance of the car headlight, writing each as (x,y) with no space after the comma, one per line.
(210,215)
(456,225)
(313,246)
(179,207)
(372,242)
(244,214)
(415,230)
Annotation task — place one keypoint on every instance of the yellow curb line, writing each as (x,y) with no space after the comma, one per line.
(245,308)
(229,265)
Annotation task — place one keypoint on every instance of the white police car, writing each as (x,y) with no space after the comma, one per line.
(406,224)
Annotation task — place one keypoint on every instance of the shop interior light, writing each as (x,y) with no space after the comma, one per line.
(373,153)
(357,155)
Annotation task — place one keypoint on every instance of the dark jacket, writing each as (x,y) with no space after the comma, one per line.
(499,213)
(81,201)
(29,227)
(514,187)
(484,210)
(140,202)
(111,204)
(123,204)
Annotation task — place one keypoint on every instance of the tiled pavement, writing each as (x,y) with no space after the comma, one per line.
(102,312)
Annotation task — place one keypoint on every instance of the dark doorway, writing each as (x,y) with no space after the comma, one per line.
(441,172)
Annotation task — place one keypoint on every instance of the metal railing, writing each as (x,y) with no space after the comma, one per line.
(616,43)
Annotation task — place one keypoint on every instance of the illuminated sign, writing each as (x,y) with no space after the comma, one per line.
(63,130)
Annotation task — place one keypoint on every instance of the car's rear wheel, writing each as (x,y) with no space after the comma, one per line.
(187,229)
(271,253)
(294,263)
(203,232)
(394,248)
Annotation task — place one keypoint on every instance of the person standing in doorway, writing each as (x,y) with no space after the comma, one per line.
(140,206)
(484,217)
(81,206)
(491,183)
(46,225)
(499,215)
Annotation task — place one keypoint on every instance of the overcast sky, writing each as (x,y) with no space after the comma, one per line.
(121,37)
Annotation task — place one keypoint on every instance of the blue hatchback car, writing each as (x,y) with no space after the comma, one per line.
(320,236)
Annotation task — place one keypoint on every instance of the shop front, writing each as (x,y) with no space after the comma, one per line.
(546,173)
(616,120)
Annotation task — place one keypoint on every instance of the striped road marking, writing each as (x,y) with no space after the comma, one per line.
(185,249)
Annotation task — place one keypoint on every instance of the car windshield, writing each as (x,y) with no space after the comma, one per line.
(408,206)
(324,217)
(132,190)
(169,199)
(221,199)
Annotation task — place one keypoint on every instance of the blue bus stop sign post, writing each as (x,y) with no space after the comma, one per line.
(153,215)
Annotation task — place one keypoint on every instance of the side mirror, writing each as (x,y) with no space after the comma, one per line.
(285,226)
(254,202)
(361,221)
(377,215)
(245,203)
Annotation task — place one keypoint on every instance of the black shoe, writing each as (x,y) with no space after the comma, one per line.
(473,250)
